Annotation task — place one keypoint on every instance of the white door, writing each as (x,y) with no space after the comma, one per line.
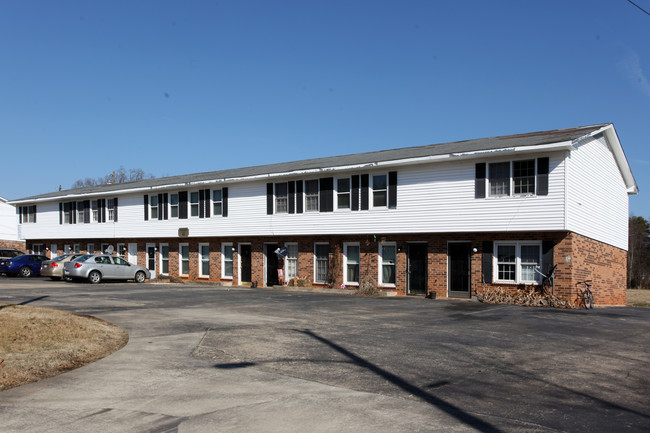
(133,253)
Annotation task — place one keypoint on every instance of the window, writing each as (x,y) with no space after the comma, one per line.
(291,261)
(281,198)
(523,176)
(499,177)
(90,248)
(27,214)
(516,262)
(94,206)
(68,213)
(321,253)
(153,207)
(184,258)
(379,191)
(104,248)
(311,195)
(38,248)
(121,250)
(204,259)
(110,206)
(217,202)
(76,248)
(164,259)
(226,260)
(352,256)
(343,193)
(80,212)
(194,204)
(387,257)
(173,205)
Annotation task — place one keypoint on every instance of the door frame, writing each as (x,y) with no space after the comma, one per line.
(241,260)
(459,294)
(408,267)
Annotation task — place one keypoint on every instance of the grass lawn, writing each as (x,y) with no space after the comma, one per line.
(638,298)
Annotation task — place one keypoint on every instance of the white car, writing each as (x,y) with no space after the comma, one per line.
(98,267)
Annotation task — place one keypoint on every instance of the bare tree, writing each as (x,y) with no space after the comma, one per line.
(121,175)
(638,255)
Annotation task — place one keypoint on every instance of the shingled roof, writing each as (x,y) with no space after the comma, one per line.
(334,162)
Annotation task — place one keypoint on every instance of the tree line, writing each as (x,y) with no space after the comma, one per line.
(121,175)
(638,254)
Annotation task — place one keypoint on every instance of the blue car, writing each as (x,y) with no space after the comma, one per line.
(24,265)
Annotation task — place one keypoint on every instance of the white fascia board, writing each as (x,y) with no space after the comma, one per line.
(621,159)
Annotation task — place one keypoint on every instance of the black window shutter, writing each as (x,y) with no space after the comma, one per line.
(182,205)
(488,254)
(160,204)
(115,209)
(365,192)
(542,176)
(201,203)
(165,206)
(73,213)
(547,255)
(299,197)
(19,209)
(60,213)
(292,196)
(34,211)
(146,207)
(326,194)
(269,199)
(86,205)
(354,193)
(479,183)
(392,190)
(224,202)
(207,203)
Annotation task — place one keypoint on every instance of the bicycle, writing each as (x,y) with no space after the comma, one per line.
(548,281)
(587,295)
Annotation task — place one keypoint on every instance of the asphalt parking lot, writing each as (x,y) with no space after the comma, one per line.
(206,358)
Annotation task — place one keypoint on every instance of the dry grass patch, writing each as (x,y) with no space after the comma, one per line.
(638,298)
(36,343)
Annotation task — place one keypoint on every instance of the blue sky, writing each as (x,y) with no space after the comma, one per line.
(183,87)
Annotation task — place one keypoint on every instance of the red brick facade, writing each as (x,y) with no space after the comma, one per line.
(16,245)
(578,259)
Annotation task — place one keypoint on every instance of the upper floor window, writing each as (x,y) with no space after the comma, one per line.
(217,198)
(281,198)
(194,203)
(173,205)
(379,191)
(505,179)
(110,208)
(94,206)
(27,214)
(311,195)
(343,193)
(153,207)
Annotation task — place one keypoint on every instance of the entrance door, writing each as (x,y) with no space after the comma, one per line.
(151,259)
(245,274)
(458,275)
(417,269)
(271,264)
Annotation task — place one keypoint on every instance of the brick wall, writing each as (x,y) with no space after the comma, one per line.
(578,258)
(16,245)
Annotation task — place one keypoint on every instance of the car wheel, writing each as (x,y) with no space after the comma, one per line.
(94,277)
(25,271)
(140,277)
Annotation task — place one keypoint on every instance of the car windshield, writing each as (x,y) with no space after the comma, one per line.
(59,258)
(82,258)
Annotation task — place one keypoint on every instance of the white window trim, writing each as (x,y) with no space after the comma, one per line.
(160,254)
(223,260)
(316,263)
(517,245)
(201,274)
(345,263)
(380,266)
(180,258)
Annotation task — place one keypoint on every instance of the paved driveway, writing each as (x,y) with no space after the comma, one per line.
(205,359)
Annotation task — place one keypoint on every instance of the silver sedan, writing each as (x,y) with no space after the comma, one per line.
(98,267)
(54,268)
